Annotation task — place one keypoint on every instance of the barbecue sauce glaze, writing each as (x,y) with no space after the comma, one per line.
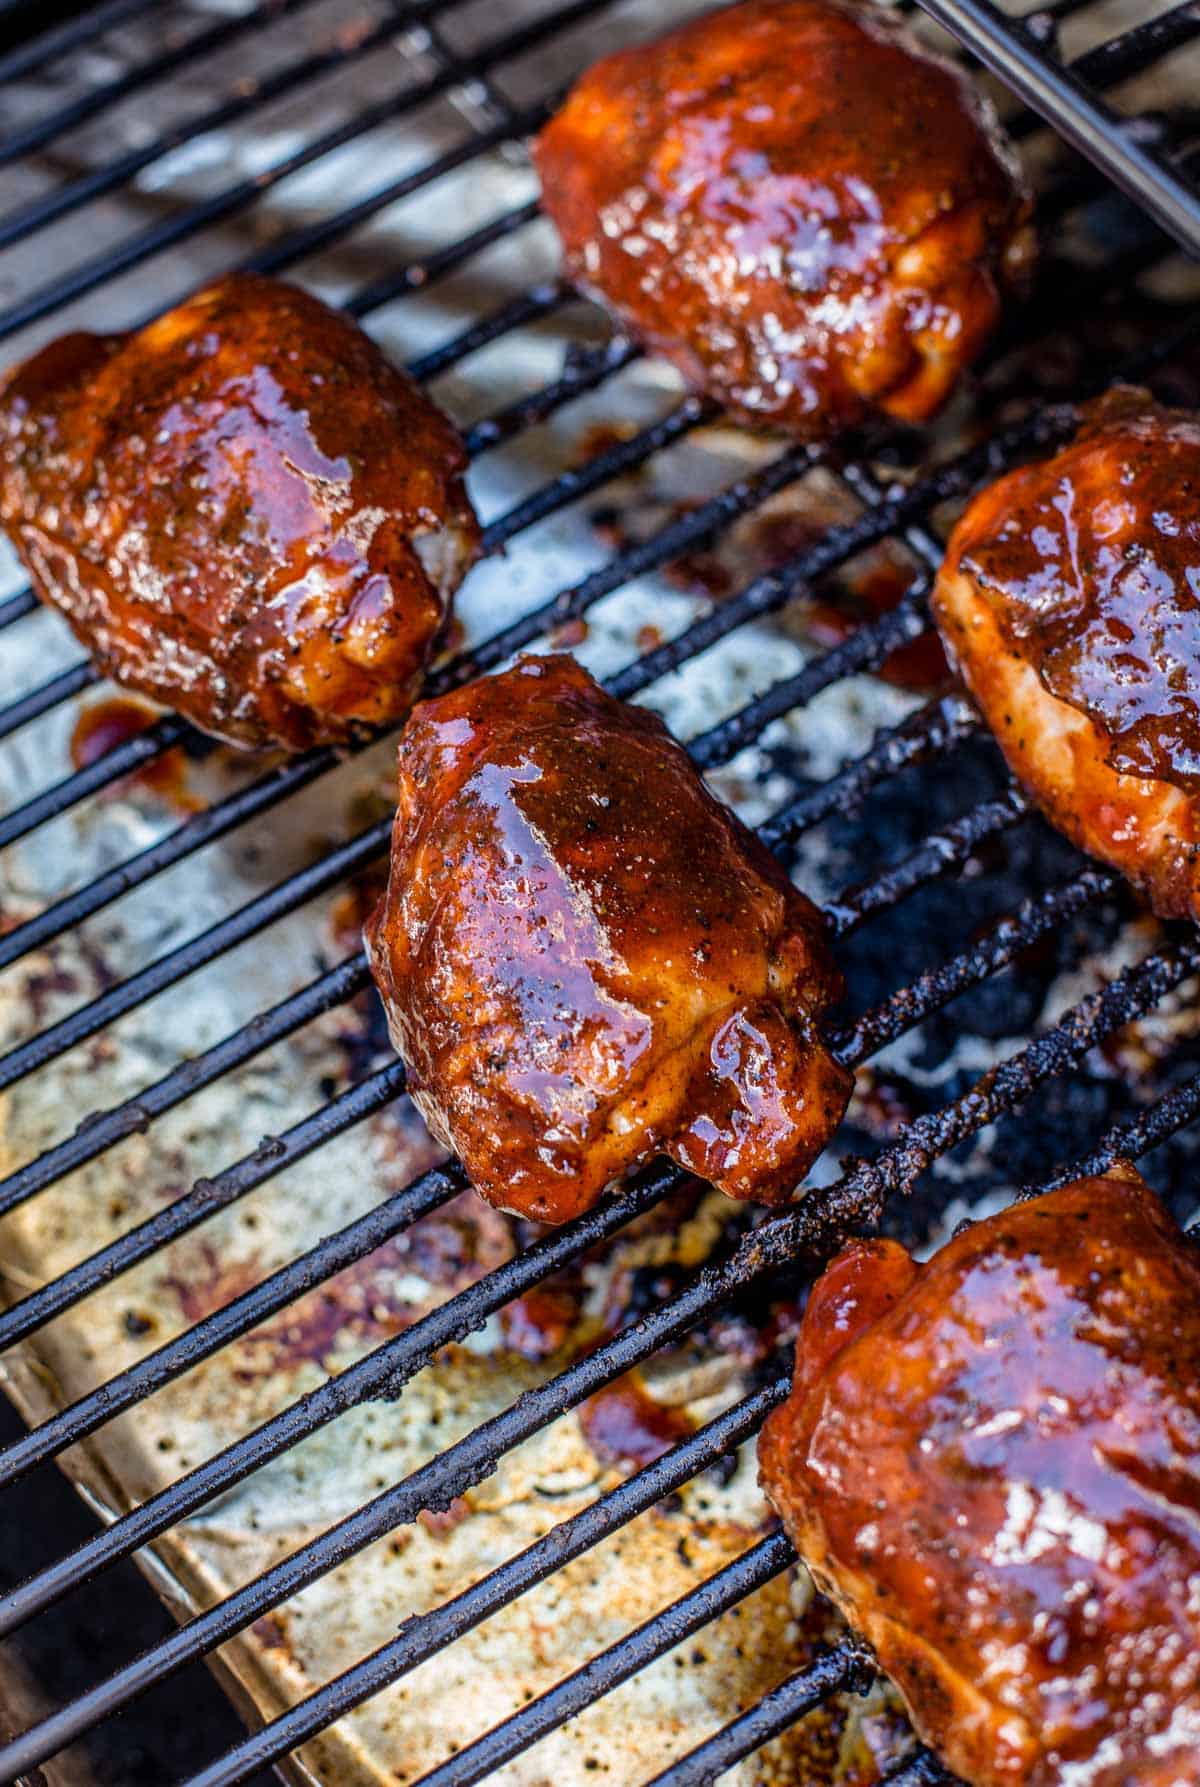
(991,1462)
(812,216)
(586,960)
(242,509)
(1070,600)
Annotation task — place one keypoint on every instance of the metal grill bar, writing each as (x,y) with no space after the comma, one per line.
(216,941)
(773,1714)
(806,1231)
(14,608)
(659,1634)
(134,754)
(63,687)
(600,1675)
(78,111)
(108,1128)
(62,200)
(923,1770)
(72,34)
(276,1153)
(1060,96)
(804,1234)
(297,244)
(190,219)
(1136,47)
(1134,50)
(1132,1138)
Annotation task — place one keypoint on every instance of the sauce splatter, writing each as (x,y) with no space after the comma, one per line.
(624,1424)
(105,725)
(538,1324)
(868,586)
(439,1522)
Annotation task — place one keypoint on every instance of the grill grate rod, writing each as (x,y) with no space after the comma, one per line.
(778,1709)
(103,1130)
(297,244)
(663,1631)
(167,970)
(276,1153)
(1132,1138)
(132,755)
(16,607)
(814,801)
(931,731)
(600,1675)
(63,687)
(1058,95)
(571,1538)
(72,34)
(921,1770)
(679,536)
(1130,52)
(26,220)
(787,1239)
(181,225)
(41,131)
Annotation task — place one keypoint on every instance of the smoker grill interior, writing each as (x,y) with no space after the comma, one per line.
(1016,1019)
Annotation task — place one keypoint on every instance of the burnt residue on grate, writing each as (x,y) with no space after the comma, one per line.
(258,1318)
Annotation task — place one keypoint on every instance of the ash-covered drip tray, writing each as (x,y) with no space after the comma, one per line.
(199,1089)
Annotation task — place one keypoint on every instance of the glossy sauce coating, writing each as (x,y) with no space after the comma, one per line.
(586,960)
(103,726)
(991,1462)
(243,510)
(1070,599)
(809,214)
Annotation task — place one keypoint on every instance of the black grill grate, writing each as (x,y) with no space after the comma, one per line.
(1149,156)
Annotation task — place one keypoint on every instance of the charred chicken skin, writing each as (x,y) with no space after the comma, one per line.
(586,960)
(243,510)
(991,1463)
(811,215)
(1070,600)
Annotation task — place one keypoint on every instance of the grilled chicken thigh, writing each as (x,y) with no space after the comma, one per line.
(1070,599)
(811,215)
(586,960)
(242,509)
(991,1462)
